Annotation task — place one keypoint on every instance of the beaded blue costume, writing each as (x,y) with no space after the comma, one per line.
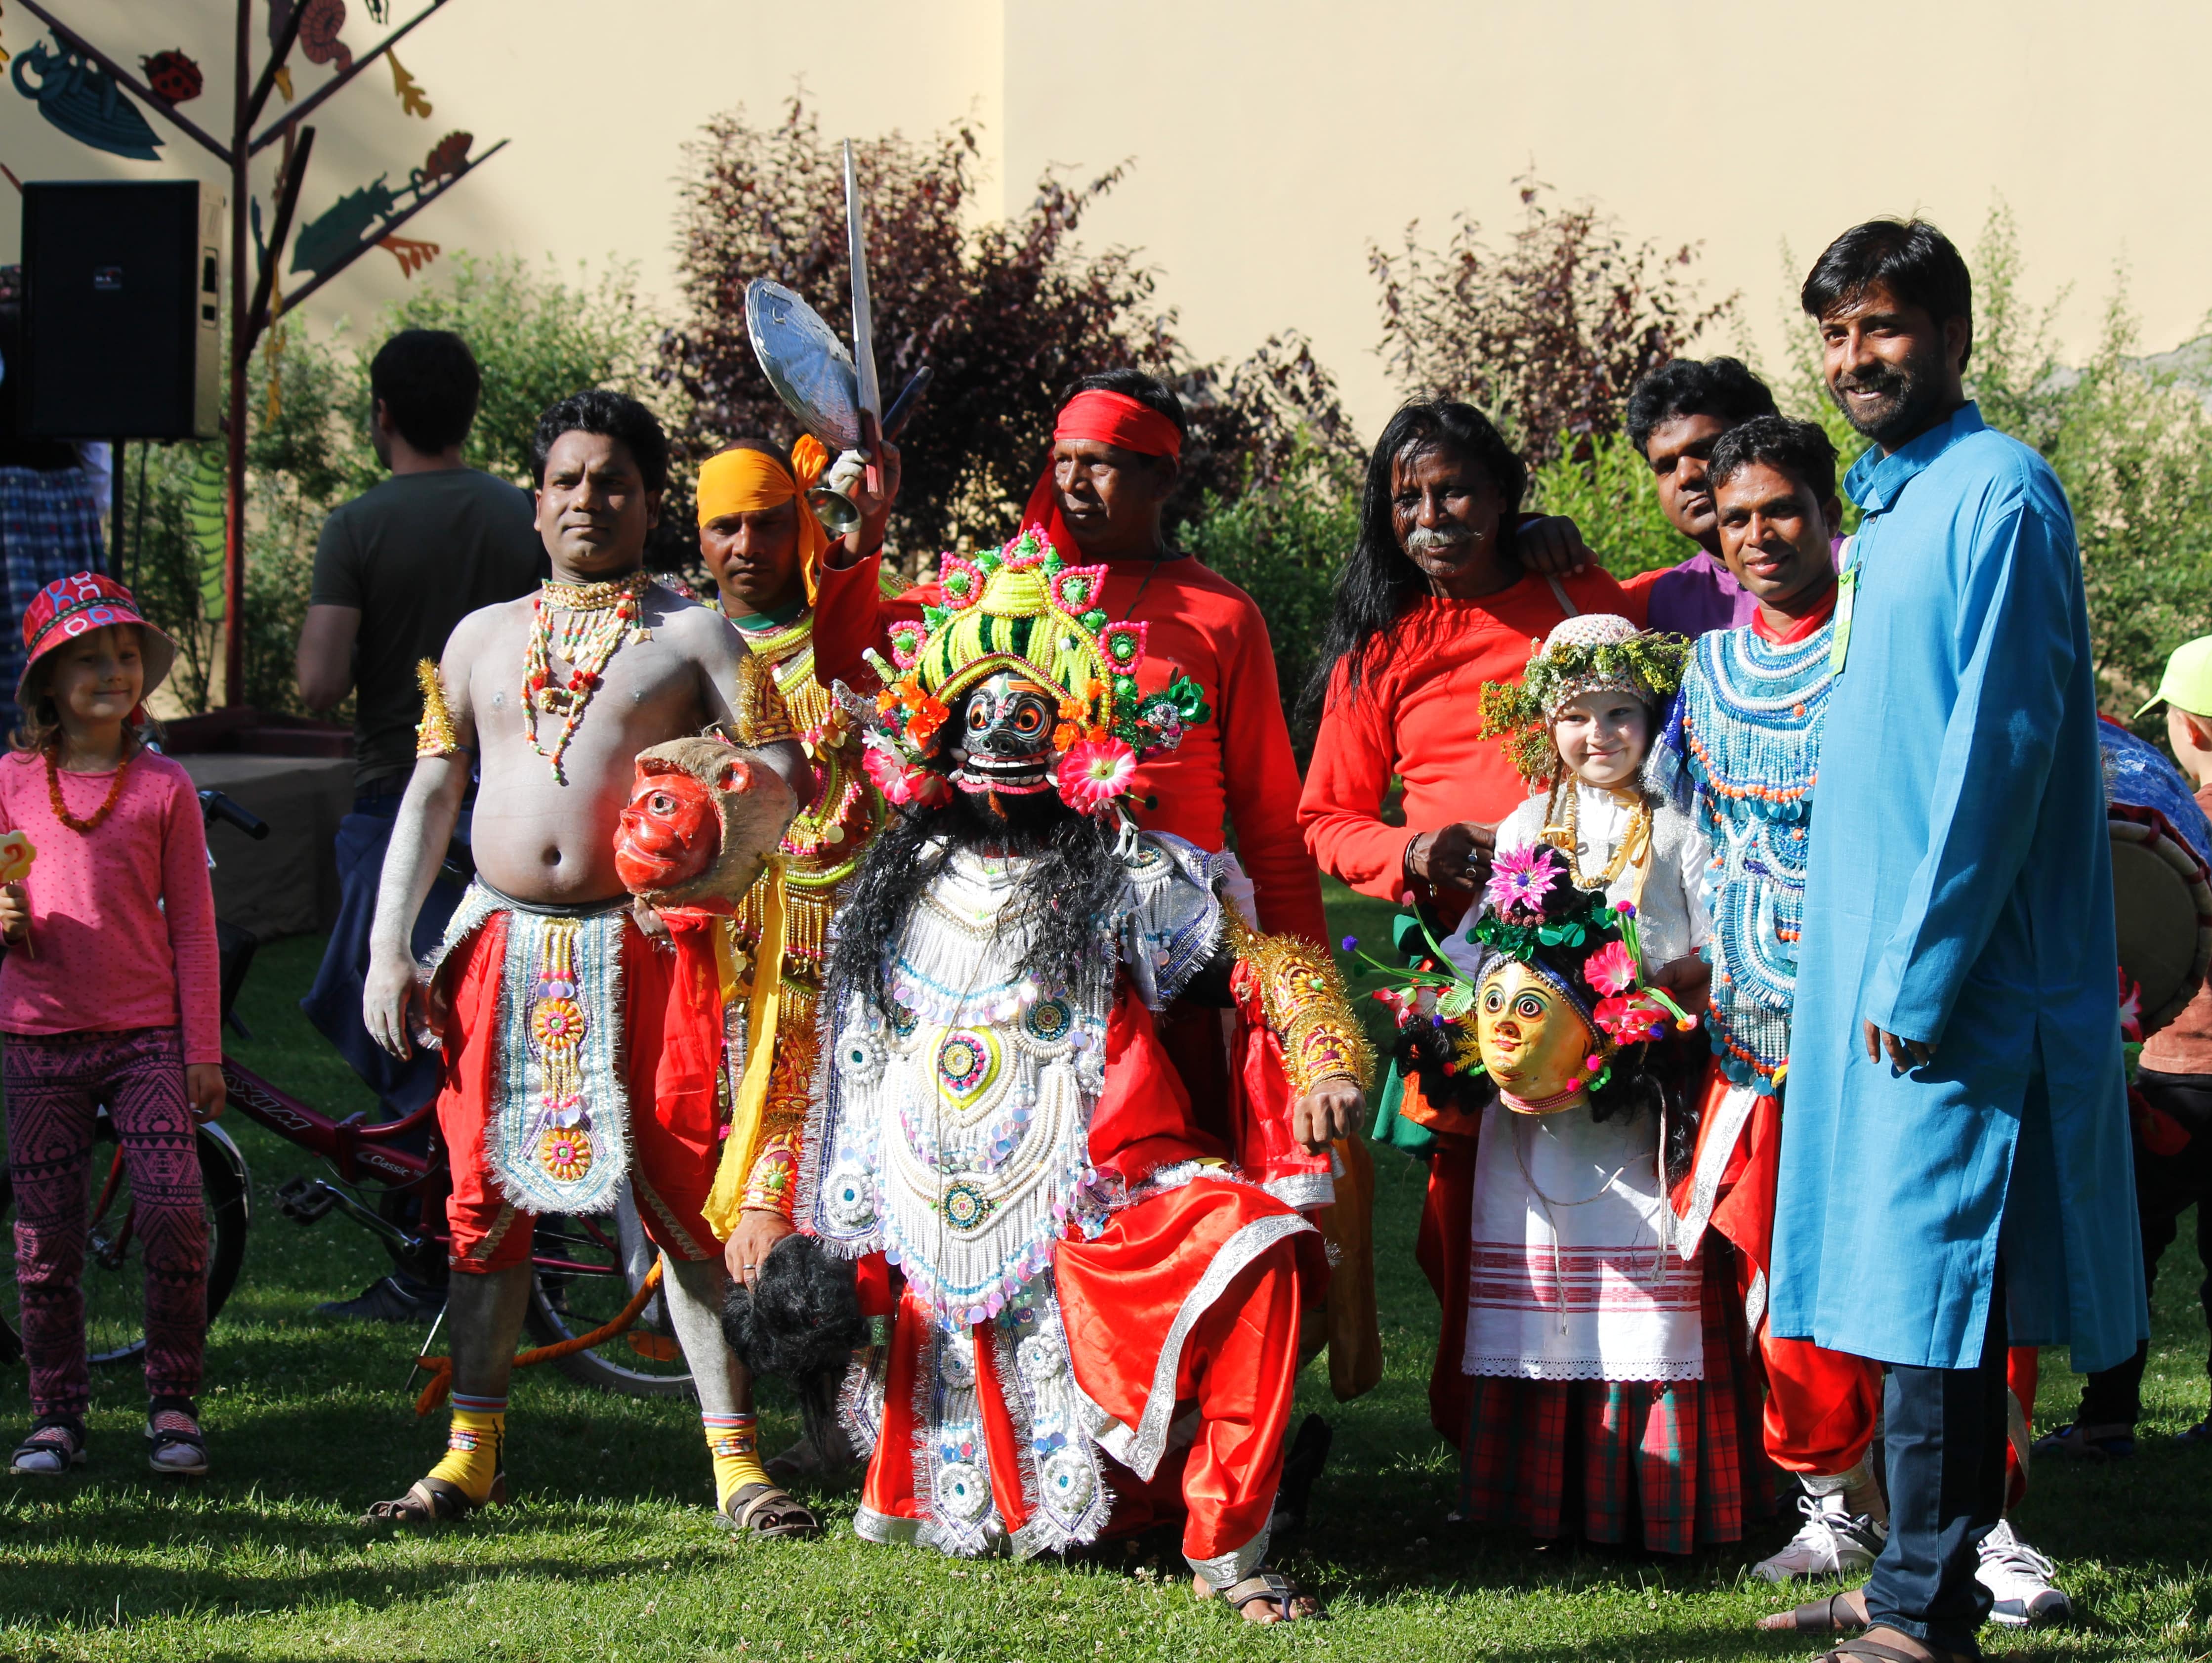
(1746,741)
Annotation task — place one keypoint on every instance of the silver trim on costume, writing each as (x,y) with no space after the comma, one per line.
(1140,1448)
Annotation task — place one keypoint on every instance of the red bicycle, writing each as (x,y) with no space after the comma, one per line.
(389,1177)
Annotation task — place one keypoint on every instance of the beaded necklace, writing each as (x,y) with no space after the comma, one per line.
(1752,715)
(587,623)
(85,827)
(1635,842)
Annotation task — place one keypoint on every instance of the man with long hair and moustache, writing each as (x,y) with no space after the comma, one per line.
(552,698)
(764,545)
(1076,1256)
(1442,594)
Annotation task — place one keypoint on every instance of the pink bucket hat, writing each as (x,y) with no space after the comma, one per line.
(71,606)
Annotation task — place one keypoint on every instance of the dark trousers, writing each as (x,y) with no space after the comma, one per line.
(1946,1435)
(333,1004)
(2167,1186)
(56,1084)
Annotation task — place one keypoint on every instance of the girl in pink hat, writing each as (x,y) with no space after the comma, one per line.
(108,994)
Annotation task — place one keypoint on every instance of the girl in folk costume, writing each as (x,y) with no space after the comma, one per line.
(1604,1401)
(108,995)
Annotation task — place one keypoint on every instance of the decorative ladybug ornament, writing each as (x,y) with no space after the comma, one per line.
(173,76)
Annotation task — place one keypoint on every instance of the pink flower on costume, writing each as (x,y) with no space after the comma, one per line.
(1610,969)
(1094,772)
(1522,878)
(902,783)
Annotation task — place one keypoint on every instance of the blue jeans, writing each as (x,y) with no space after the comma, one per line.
(333,1004)
(1946,1430)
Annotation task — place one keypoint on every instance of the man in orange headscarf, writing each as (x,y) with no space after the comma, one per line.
(765,546)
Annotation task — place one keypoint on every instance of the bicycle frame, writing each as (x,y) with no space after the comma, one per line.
(358,1153)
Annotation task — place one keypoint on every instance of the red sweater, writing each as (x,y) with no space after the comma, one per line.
(1201,625)
(1415,716)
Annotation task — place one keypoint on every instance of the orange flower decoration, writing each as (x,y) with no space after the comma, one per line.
(928,716)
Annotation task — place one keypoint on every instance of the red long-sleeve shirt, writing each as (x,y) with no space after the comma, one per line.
(1415,716)
(1233,772)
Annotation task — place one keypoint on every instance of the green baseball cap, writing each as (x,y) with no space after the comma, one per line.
(2188,680)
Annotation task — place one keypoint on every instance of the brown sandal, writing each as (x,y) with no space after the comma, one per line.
(1273,1587)
(768,1510)
(433,1502)
(1860,1649)
(1840,1613)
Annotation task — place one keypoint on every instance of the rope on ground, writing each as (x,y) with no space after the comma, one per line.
(441,1370)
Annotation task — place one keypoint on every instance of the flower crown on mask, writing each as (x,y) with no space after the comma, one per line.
(1592,652)
(1584,946)
(1022,609)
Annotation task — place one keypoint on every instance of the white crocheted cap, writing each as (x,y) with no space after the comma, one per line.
(1587,629)
(1591,630)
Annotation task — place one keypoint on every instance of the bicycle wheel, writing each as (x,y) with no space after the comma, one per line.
(114,1280)
(610,1257)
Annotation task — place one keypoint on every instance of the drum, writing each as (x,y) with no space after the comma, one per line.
(2161,875)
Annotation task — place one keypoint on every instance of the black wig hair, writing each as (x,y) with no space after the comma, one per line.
(612,415)
(1911,258)
(1072,896)
(1380,583)
(801,1319)
(1800,449)
(428,384)
(1720,387)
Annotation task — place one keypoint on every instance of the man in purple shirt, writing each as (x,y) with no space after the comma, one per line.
(1675,414)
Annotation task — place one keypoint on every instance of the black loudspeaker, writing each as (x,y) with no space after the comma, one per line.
(122,311)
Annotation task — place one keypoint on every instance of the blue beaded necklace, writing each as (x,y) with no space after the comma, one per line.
(1751,739)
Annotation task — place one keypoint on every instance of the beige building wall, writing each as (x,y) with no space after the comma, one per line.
(1274,141)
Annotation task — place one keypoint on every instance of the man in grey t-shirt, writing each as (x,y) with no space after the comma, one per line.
(395,570)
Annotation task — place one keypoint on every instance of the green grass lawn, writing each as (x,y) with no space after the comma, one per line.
(611,1550)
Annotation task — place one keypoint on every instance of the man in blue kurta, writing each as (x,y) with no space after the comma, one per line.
(1954,1161)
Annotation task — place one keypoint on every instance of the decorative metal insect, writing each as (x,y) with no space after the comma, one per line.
(81,98)
(173,76)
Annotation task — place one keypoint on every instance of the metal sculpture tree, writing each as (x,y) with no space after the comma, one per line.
(356,222)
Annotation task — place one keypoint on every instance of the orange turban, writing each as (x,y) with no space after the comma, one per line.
(746,481)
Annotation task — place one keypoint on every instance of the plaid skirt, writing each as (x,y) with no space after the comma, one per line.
(1667,1466)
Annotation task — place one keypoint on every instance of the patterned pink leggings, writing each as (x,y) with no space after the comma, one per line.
(54,1082)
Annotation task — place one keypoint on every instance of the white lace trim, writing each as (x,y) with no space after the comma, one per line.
(1536,1369)
(1720,1134)
(1226,1570)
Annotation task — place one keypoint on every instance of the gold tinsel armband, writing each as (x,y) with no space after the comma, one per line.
(763,718)
(1306,1003)
(434,735)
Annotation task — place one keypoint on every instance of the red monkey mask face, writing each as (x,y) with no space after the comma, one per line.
(670,832)
(701,818)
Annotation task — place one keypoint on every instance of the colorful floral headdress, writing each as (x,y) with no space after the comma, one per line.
(1593,652)
(1585,947)
(1025,610)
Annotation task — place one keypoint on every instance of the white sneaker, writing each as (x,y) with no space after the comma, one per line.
(2018,1580)
(1832,1542)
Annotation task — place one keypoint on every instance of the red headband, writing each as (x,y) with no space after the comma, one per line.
(1116,418)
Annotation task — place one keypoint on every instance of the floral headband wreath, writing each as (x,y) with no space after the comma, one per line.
(1585,947)
(1594,652)
(1022,609)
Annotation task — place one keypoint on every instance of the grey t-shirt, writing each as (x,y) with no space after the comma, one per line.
(415,555)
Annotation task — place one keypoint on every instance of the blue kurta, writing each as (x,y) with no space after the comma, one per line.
(1960,891)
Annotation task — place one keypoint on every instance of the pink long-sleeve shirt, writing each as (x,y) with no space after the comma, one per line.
(123,917)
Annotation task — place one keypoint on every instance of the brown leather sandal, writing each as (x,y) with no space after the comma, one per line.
(767,1510)
(1860,1649)
(1274,1587)
(433,1502)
